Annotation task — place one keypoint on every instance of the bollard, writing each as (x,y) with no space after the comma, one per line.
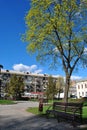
(41,105)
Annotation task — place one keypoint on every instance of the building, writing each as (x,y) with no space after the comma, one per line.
(81,87)
(35,84)
(72,89)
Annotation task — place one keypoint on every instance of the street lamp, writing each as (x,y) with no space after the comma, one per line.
(1,66)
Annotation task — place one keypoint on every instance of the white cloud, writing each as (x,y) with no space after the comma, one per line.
(24,68)
(56,75)
(38,71)
(73,77)
(33,67)
(55,50)
(85,50)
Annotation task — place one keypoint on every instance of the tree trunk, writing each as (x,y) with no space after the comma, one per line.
(67,88)
(58,95)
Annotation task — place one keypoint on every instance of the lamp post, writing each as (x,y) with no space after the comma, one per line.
(1,66)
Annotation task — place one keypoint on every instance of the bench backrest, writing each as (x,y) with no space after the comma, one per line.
(45,100)
(68,107)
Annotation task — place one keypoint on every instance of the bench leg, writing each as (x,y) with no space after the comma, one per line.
(58,120)
(47,115)
(74,124)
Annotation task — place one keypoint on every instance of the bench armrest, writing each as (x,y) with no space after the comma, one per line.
(76,111)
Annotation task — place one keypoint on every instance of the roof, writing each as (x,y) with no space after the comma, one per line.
(81,80)
(25,73)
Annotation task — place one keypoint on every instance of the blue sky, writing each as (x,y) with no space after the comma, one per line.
(13,54)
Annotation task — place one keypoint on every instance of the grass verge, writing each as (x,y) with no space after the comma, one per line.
(6,102)
(85,112)
(35,110)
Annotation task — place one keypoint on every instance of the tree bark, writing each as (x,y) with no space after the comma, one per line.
(67,88)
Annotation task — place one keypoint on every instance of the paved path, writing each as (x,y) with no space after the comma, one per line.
(15,117)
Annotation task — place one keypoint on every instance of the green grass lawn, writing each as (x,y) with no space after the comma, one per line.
(6,102)
(83,128)
(85,112)
(84,115)
(35,110)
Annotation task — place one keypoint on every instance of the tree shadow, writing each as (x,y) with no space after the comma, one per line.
(32,123)
(85,121)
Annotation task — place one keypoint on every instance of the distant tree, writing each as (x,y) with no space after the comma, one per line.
(15,87)
(60,84)
(57,32)
(1,66)
(51,88)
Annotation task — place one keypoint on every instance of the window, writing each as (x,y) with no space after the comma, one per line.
(85,85)
(78,87)
(82,93)
(82,86)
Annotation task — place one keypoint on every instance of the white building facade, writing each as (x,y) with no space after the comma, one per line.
(81,87)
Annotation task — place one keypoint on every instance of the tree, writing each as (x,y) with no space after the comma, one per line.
(57,32)
(60,85)
(51,88)
(1,66)
(15,87)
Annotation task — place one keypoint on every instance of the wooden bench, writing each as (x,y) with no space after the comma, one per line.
(71,112)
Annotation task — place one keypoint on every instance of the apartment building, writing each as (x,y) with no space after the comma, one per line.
(35,84)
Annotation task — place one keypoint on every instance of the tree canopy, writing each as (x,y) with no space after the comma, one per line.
(15,87)
(1,66)
(51,90)
(57,32)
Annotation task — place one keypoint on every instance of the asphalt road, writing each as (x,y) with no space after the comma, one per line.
(15,117)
